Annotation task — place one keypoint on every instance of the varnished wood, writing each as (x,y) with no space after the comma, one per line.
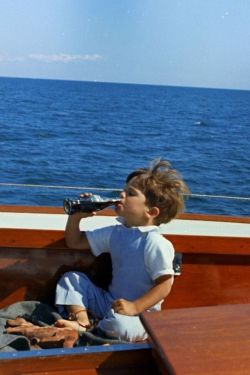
(38,238)
(32,238)
(193,244)
(215,269)
(122,362)
(32,209)
(208,341)
(32,274)
(211,279)
(65,372)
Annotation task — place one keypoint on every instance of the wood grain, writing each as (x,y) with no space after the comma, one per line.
(208,340)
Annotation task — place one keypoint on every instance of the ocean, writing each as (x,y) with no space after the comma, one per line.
(60,138)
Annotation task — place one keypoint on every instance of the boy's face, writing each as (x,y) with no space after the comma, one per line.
(132,207)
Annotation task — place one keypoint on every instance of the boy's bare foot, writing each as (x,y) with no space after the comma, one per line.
(74,324)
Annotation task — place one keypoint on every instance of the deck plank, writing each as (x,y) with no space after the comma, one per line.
(211,340)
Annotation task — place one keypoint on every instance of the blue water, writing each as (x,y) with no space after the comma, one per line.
(67,133)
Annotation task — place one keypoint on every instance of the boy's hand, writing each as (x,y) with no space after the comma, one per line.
(124,307)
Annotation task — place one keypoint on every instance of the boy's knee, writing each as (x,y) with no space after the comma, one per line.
(73,276)
(73,281)
(123,327)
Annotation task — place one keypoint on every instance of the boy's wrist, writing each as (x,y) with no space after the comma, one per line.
(137,307)
(77,216)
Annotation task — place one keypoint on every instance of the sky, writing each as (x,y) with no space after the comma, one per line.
(197,43)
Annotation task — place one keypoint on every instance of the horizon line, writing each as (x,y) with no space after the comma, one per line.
(125,83)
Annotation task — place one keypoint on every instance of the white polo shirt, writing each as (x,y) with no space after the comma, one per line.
(139,256)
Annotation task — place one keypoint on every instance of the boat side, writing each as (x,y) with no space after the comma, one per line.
(215,269)
(125,359)
(33,255)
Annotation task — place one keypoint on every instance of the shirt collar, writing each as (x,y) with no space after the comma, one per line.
(148,228)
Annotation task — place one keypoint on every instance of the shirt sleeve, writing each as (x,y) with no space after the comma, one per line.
(158,256)
(99,239)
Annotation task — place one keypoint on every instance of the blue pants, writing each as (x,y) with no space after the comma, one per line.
(75,288)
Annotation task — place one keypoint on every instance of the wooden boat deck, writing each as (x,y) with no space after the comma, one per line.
(215,271)
(211,340)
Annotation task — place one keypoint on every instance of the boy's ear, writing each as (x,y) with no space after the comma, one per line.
(154,212)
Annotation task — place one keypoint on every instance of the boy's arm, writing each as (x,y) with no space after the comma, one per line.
(159,292)
(75,239)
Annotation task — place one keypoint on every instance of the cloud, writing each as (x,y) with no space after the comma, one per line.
(63,57)
(53,58)
(7,58)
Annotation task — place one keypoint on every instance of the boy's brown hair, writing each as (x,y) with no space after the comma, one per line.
(163,187)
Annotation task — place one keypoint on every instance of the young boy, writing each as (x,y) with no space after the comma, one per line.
(142,259)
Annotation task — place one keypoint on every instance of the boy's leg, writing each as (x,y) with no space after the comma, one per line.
(75,295)
(123,327)
(77,318)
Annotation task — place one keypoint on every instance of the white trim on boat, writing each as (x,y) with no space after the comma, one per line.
(177,226)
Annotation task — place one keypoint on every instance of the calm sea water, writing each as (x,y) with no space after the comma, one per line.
(82,134)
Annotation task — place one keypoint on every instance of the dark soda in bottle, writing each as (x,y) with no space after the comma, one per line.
(87,204)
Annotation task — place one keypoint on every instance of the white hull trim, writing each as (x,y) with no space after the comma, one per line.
(177,226)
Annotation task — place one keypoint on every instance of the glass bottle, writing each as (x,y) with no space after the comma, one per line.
(89,203)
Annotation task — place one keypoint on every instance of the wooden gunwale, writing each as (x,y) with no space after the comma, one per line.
(121,359)
(192,244)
